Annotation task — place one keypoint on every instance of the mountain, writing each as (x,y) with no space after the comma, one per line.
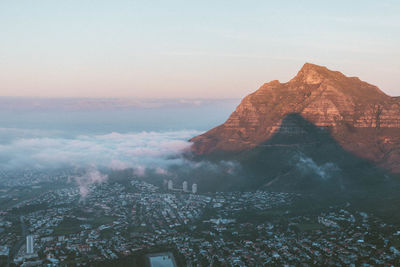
(361,119)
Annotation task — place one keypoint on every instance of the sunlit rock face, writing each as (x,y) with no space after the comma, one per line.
(358,115)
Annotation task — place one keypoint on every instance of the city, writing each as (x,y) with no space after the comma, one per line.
(136,218)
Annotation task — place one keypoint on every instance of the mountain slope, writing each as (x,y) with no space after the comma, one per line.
(358,116)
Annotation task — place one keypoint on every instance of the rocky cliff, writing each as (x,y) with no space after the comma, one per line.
(360,117)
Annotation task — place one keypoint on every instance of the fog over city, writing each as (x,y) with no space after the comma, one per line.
(94,136)
(113,150)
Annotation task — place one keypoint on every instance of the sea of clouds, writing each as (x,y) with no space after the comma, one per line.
(93,136)
(140,151)
(114,151)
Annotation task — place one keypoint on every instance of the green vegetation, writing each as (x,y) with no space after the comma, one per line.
(68,226)
(101,220)
(72,225)
(30,208)
(137,229)
(304,227)
(107,233)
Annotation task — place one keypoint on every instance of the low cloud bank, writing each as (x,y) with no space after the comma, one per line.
(308,165)
(115,151)
(141,152)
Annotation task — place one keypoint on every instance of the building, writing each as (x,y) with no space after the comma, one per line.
(29,244)
(185,186)
(4,251)
(84,248)
(170,185)
(194,188)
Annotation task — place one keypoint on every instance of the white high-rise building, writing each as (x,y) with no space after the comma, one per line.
(29,244)
(194,188)
(185,186)
(170,185)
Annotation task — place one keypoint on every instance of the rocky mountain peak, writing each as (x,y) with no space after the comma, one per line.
(359,116)
(315,74)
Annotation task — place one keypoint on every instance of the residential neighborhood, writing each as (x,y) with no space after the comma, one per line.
(116,220)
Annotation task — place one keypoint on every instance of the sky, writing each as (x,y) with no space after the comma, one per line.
(190,49)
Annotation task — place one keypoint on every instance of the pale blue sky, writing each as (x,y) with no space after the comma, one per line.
(81,48)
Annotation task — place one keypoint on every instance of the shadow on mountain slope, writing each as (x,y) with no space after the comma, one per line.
(301,157)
